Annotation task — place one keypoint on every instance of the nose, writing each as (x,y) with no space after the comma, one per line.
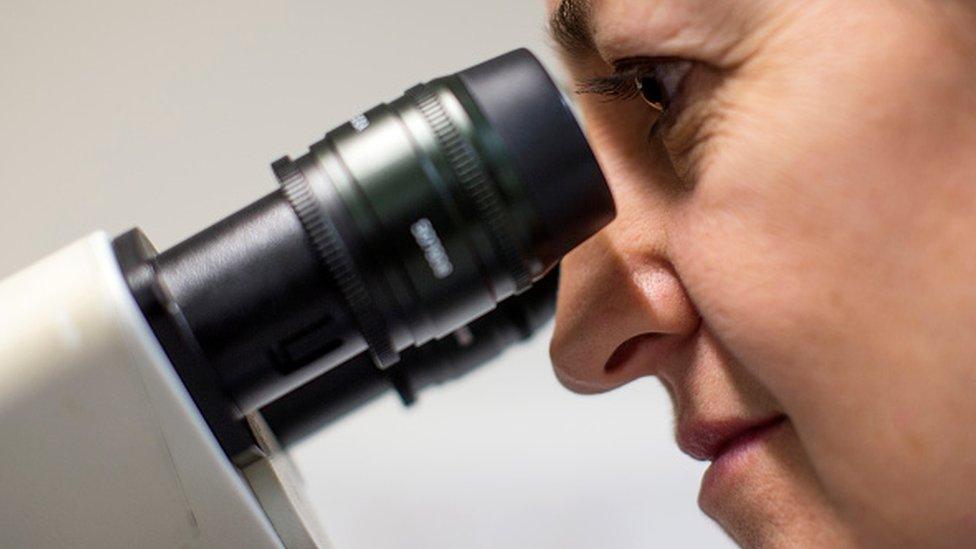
(622,311)
(620,316)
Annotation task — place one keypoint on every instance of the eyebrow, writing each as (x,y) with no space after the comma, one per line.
(570,26)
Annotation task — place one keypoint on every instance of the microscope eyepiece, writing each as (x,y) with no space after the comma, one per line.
(400,227)
(354,384)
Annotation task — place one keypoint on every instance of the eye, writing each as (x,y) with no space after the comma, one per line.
(652,92)
(657,80)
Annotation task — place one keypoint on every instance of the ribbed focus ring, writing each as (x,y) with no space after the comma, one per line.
(332,253)
(476,183)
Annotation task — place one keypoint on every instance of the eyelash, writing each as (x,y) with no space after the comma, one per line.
(623,83)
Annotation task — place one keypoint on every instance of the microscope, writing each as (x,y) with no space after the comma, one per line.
(147,398)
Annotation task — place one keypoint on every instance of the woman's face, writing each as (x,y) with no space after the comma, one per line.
(794,255)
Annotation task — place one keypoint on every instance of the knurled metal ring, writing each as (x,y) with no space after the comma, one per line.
(334,255)
(474,180)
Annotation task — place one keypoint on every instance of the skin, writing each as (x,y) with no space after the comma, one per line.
(798,241)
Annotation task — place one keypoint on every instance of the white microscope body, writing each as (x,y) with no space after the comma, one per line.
(101,444)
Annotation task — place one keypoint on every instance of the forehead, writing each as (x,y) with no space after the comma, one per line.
(621,28)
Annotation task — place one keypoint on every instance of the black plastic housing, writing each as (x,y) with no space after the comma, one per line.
(330,397)
(258,301)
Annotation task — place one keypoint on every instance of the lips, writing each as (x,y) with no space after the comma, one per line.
(709,440)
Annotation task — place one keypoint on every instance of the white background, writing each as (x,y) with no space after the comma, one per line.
(166,115)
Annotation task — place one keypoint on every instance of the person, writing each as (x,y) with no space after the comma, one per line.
(793,255)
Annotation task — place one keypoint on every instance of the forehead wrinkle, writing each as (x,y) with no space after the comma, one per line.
(609,29)
(622,29)
(704,30)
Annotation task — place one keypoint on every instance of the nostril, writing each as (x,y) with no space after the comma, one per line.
(626,351)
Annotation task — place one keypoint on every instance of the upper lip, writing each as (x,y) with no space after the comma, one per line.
(709,439)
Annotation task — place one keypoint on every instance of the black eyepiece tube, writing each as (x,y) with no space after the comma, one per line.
(354,384)
(400,227)
(528,113)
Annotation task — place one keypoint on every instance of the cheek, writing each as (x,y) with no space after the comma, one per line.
(743,279)
(781,252)
(761,263)
(785,243)
(814,252)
